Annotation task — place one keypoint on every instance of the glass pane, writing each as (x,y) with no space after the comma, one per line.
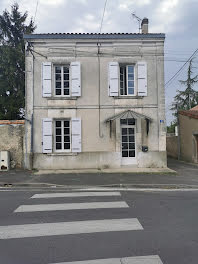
(121,85)
(123,121)
(131,121)
(130,69)
(124,146)
(66,123)
(131,139)
(132,153)
(130,84)
(58,69)
(66,77)
(130,91)
(124,131)
(131,131)
(58,84)
(124,139)
(121,77)
(58,146)
(58,77)
(58,131)
(66,146)
(130,77)
(121,70)
(58,91)
(66,131)
(121,92)
(66,91)
(58,138)
(124,153)
(66,138)
(58,123)
(66,69)
(131,145)
(66,84)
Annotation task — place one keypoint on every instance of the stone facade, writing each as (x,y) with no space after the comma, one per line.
(100,140)
(11,139)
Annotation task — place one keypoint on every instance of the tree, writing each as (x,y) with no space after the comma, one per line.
(185,100)
(12,62)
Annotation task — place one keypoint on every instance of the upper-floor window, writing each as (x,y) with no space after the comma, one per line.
(62,83)
(127,80)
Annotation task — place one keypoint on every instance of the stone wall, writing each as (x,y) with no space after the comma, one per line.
(171,146)
(11,139)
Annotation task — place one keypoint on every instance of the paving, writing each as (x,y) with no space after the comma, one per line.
(155,228)
(180,175)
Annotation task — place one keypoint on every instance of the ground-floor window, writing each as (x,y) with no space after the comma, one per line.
(128,137)
(62,135)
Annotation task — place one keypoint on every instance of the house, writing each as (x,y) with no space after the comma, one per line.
(188,134)
(95,100)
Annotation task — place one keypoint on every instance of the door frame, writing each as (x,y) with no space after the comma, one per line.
(128,160)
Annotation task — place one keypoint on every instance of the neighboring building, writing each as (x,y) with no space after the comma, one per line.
(188,133)
(95,100)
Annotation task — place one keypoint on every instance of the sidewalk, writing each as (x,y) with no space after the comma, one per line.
(186,177)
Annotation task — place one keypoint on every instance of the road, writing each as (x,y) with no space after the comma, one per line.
(45,227)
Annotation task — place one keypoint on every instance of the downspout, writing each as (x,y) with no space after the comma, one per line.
(99,88)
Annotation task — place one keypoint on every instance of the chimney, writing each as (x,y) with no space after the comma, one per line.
(144,25)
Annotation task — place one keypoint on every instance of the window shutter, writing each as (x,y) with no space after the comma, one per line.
(75,78)
(113,78)
(76,134)
(47,79)
(47,135)
(142,78)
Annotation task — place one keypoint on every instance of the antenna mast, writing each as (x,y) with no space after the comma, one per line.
(138,19)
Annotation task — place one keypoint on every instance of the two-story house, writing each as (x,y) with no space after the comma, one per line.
(95,100)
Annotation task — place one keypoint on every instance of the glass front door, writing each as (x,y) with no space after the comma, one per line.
(128,143)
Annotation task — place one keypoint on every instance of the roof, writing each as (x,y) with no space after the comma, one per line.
(128,114)
(190,113)
(194,108)
(94,36)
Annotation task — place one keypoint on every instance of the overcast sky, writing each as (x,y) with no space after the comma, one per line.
(178,19)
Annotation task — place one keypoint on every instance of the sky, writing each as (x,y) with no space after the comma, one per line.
(178,19)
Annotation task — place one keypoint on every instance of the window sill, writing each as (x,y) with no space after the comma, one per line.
(63,98)
(62,154)
(128,97)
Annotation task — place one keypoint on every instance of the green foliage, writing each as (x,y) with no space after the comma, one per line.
(171,128)
(12,62)
(185,100)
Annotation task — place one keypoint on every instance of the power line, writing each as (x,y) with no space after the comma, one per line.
(103,15)
(173,77)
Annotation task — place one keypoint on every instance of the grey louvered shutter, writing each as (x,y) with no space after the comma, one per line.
(76,134)
(75,78)
(113,78)
(47,79)
(47,135)
(142,78)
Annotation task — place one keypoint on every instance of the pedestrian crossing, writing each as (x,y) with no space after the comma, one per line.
(77,227)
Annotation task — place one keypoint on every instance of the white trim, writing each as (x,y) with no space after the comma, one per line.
(62,135)
(134,80)
(62,80)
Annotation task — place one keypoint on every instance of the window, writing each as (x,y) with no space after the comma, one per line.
(62,84)
(62,135)
(127,86)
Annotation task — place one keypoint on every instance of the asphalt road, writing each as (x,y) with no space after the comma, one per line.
(160,226)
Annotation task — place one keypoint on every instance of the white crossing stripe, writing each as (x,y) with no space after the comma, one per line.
(75,194)
(130,260)
(70,206)
(68,228)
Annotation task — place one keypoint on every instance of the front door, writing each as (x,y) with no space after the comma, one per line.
(128,142)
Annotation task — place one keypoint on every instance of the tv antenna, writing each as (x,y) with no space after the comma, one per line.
(138,19)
